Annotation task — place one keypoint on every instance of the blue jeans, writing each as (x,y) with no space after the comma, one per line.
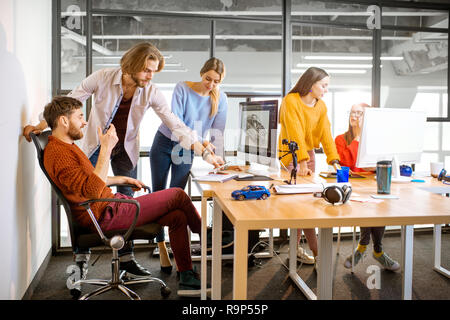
(121,166)
(161,162)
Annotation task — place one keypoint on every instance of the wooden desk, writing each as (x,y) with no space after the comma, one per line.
(415,206)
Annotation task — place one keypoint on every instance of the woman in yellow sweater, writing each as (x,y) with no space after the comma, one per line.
(304,119)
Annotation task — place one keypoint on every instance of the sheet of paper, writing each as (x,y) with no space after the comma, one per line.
(365,199)
(384,196)
(306,187)
(440,190)
(215,177)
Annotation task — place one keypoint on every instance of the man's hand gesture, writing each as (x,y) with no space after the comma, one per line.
(109,139)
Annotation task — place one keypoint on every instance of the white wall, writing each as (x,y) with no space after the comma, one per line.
(25,87)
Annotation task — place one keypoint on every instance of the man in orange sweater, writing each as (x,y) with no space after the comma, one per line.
(70,169)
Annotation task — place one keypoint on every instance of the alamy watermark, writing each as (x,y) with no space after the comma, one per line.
(374,280)
(374,19)
(74,17)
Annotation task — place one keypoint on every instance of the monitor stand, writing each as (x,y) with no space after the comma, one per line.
(396,177)
(263,170)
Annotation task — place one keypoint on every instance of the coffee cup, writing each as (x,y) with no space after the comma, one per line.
(384,173)
(342,174)
(435,168)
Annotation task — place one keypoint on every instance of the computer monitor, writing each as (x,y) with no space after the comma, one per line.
(391,134)
(258,121)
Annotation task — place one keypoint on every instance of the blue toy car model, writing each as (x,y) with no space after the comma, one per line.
(405,171)
(251,192)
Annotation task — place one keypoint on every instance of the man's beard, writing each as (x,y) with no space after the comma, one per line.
(138,82)
(74,133)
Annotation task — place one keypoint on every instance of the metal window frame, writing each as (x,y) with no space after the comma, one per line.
(286,21)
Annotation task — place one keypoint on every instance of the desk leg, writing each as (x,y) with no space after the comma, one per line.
(203,261)
(240,266)
(293,266)
(216,289)
(437,251)
(325,270)
(292,252)
(407,261)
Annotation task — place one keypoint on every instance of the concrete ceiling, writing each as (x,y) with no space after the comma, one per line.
(422,52)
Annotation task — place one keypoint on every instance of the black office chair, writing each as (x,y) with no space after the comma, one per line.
(83,239)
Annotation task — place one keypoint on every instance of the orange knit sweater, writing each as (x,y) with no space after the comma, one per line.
(73,173)
(308,126)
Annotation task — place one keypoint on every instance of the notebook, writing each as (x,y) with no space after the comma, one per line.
(332,175)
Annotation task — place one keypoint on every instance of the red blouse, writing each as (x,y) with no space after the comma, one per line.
(347,153)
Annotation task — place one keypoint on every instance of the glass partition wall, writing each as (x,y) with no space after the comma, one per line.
(391,55)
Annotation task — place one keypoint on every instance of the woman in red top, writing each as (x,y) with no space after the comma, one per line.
(347,143)
(347,147)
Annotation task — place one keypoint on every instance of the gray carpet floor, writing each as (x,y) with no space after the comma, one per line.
(268,278)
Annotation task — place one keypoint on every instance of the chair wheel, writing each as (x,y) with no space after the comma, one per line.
(165,292)
(76,293)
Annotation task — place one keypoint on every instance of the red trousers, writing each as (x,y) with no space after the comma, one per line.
(171,207)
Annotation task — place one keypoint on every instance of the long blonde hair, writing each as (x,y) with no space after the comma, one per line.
(134,60)
(350,135)
(217,66)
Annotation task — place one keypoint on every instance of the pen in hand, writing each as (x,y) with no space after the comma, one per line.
(221,167)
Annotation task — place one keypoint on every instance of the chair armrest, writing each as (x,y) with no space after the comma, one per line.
(86,205)
(129,185)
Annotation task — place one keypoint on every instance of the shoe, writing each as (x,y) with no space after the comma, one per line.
(357,257)
(304,257)
(387,262)
(134,268)
(189,279)
(227,239)
(167,269)
(189,284)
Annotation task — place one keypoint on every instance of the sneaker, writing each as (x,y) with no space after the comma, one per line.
(357,257)
(189,284)
(134,268)
(227,239)
(387,262)
(304,257)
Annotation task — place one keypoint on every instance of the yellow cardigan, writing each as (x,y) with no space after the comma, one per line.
(308,126)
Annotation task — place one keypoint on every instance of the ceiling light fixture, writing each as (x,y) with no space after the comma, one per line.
(163,70)
(341,71)
(352,58)
(336,65)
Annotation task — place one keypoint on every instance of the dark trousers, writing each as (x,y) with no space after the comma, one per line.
(171,207)
(162,154)
(121,166)
(377,234)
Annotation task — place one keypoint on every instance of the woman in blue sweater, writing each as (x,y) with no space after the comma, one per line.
(202,107)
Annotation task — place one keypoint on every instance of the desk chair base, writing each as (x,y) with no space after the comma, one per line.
(121,285)
(119,282)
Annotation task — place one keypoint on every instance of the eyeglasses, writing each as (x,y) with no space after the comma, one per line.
(357,114)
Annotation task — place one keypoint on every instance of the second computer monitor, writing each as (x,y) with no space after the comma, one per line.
(391,134)
(258,132)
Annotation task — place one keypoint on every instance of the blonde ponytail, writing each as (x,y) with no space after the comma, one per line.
(215,97)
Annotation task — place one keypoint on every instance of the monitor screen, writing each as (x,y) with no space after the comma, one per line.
(258,130)
(391,134)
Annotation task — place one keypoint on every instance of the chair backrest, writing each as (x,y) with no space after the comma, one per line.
(40,142)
